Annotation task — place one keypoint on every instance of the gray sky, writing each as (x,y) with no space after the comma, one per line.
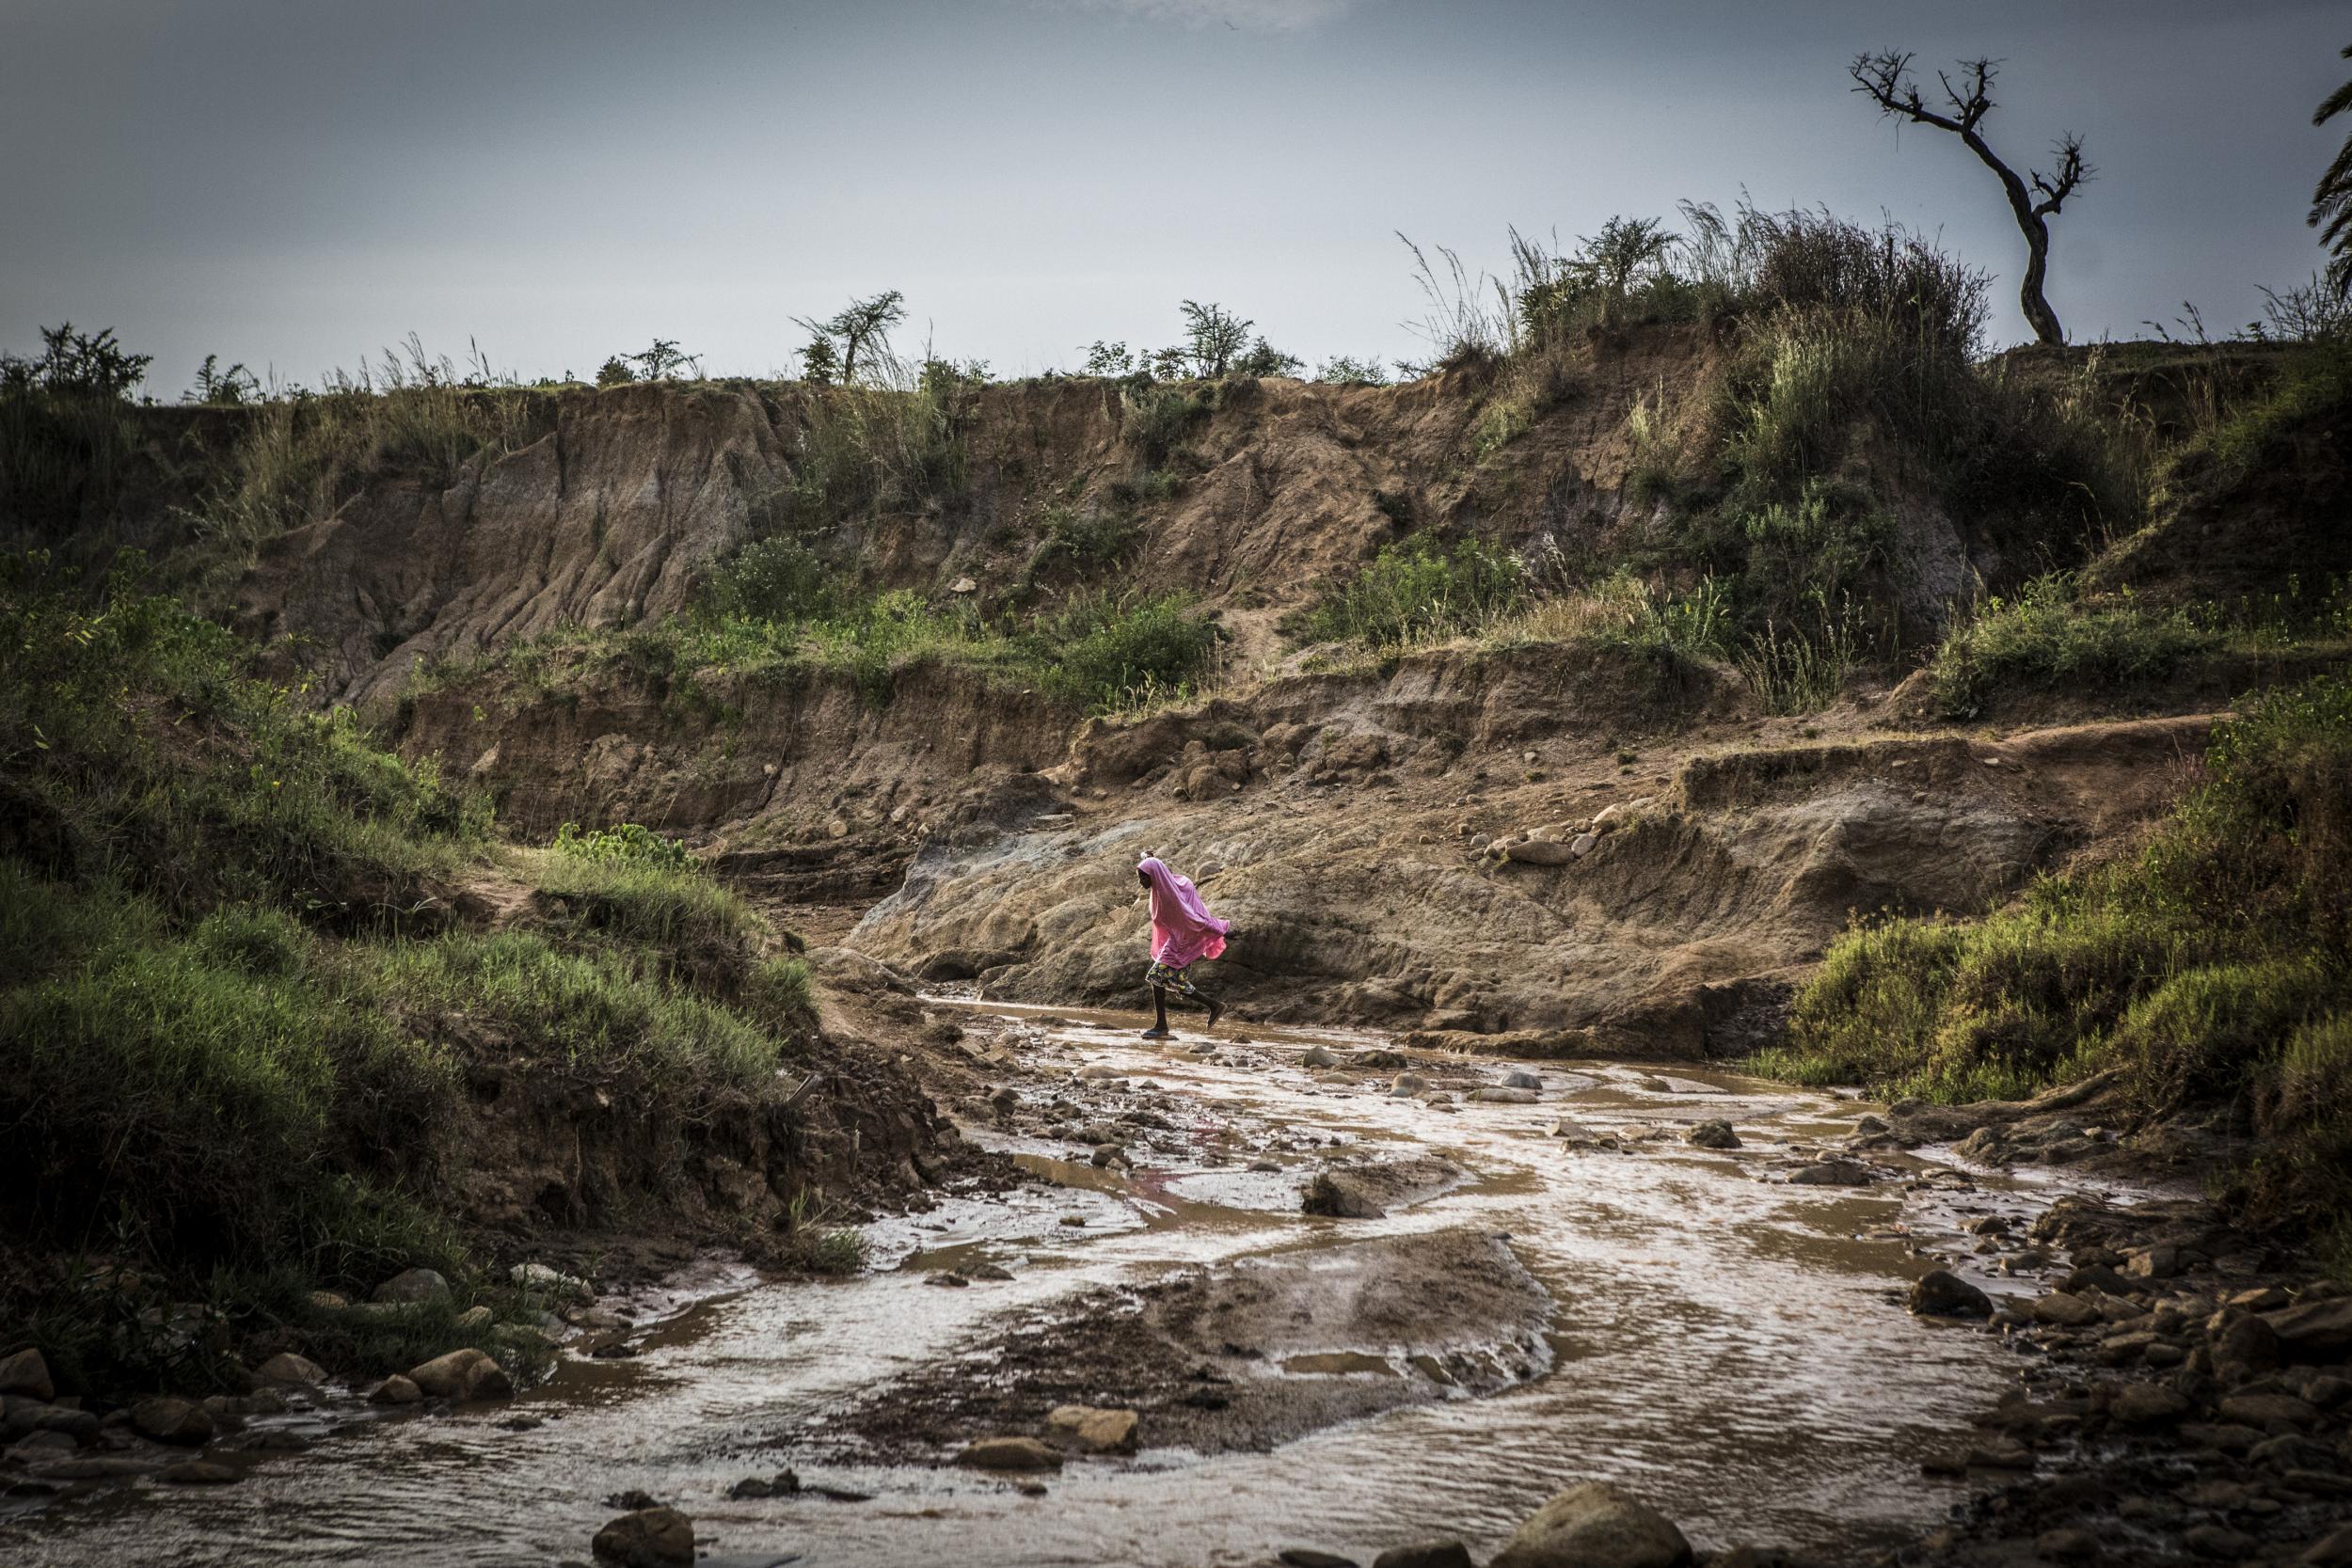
(295,184)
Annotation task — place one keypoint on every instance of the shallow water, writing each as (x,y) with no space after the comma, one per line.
(1732,1347)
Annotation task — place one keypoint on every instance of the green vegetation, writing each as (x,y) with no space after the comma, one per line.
(2208,969)
(2053,635)
(1419,591)
(246,1032)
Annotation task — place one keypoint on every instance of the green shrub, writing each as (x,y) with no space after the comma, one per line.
(1155,421)
(1109,653)
(775,579)
(2046,638)
(1419,590)
(627,844)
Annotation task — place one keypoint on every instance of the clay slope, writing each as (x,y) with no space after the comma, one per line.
(1266,493)
(1360,867)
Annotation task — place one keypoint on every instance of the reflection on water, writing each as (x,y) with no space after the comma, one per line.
(1726,1344)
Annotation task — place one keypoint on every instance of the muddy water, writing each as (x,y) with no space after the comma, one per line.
(1729,1345)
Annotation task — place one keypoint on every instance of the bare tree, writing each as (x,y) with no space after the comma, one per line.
(1885,79)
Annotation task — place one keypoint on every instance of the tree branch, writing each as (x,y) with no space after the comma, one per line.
(2072,170)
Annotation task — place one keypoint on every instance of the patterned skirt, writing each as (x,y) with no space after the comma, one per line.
(1170,977)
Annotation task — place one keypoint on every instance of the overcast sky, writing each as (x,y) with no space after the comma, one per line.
(295,184)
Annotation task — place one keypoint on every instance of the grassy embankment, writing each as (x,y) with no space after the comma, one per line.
(239,1010)
(2209,971)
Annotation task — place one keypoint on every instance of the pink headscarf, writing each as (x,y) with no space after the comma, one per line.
(1182,930)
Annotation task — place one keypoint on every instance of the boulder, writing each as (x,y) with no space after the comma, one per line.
(2316,1330)
(1594,1525)
(27,1374)
(1540,851)
(649,1538)
(1942,1293)
(1426,1554)
(1521,1081)
(1582,845)
(1831,1173)
(1491,1096)
(2267,1410)
(412,1286)
(1714,1134)
(172,1420)
(2066,1312)
(286,1367)
(397,1389)
(1009,1453)
(2142,1404)
(1097,1430)
(1339,1197)
(1317,1055)
(2245,1349)
(539,1279)
(463,1374)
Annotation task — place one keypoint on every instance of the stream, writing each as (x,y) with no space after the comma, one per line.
(1731,1347)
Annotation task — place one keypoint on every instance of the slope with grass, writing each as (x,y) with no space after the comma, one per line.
(280,1012)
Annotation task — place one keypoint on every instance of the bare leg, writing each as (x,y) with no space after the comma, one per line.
(1159,1014)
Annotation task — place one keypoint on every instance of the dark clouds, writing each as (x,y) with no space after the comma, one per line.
(297,184)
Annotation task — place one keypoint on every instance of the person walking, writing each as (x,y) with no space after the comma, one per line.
(1183,933)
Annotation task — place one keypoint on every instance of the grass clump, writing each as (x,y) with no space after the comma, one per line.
(1419,591)
(2208,972)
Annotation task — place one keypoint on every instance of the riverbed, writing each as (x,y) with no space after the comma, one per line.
(1732,1347)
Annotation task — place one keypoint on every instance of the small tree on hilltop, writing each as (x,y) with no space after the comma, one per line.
(2331,200)
(663,361)
(614,371)
(234,384)
(1885,79)
(1213,337)
(860,328)
(76,364)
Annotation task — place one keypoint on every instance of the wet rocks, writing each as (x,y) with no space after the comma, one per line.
(1594,1525)
(1098,1430)
(648,1537)
(1831,1173)
(397,1389)
(172,1420)
(1009,1453)
(286,1367)
(410,1286)
(2314,1331)
(463,1374)
(1318,1056)
(784,1483)
(2066,1310)
(1426,1554)
(1308,1556)
(1941,1293)
(26,1375)
(2146,1405)
(1713,1134)
(1492,1096)
(1521,1081)
(541,1280)
(1339,1197)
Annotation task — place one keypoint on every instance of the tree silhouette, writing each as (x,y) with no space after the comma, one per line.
(1885,79)
(863,326)
(2331,199)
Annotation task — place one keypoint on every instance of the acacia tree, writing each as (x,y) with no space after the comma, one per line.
(862,325)
(1885,79)
(2331,199)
